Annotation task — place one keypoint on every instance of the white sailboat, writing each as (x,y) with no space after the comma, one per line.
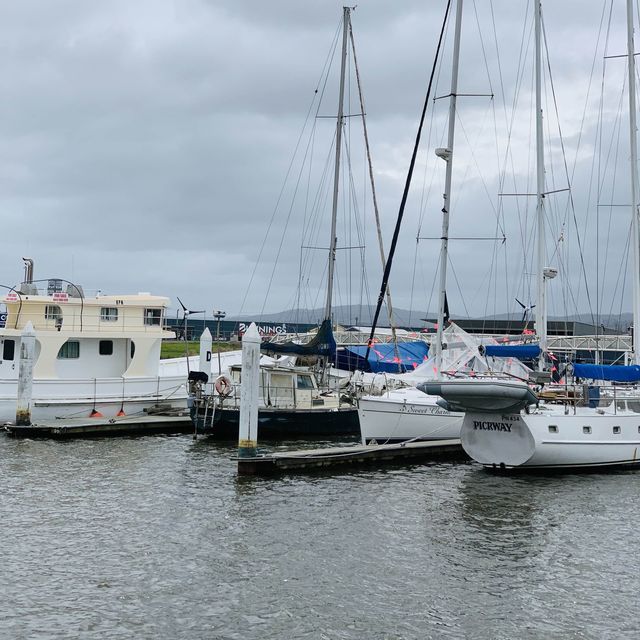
(508,426)
(407,413)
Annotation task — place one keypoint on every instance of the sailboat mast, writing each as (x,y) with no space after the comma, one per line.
(634,183)
(447,155)
(541,308)
(336,176)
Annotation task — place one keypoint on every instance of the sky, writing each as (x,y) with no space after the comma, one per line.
(150,146)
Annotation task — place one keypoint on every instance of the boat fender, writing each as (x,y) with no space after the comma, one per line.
(223,386)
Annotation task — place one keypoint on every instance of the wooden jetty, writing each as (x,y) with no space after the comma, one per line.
(97,427)
(350,456)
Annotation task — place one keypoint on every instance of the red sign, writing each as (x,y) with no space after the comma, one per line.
(60,296)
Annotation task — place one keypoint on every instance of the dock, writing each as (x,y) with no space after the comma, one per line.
(98,427)
(310,460)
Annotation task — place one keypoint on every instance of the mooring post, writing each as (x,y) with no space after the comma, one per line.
(206,343)
(25,375)
(249,391)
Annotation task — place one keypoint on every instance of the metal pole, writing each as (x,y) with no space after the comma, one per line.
(448,157)
(541,309)
(336,175)
(633,143)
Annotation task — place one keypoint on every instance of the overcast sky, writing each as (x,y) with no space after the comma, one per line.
(145,145)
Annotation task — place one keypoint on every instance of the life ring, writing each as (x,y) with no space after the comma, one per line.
(223,385)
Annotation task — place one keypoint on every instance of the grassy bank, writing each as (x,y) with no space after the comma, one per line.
(176,348)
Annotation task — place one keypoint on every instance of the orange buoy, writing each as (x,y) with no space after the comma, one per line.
(120,413)
(95,414)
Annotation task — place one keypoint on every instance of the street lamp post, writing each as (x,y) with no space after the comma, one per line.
(219,315)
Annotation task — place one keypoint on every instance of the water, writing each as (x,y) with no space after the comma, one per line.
(156,537)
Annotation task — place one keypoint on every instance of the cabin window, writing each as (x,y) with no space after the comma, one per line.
(621,405)
(105,347)
(586,429)
(153,317)
(132,350)
(616,430)
(305,382)
(633,405)
(8,350)
(69,350)
(52,312)
(553,428)
(109,314)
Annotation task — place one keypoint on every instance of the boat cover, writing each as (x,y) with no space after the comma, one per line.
(322,344)
(383,357)
(520,351)
(616,372)
(482,396)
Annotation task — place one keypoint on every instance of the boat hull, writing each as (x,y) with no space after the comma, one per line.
(59,399)
(406,414)
(548,440)
(280,424)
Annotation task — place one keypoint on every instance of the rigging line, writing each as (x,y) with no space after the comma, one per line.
(396,231)
(477,165)
(314,219)
(319,204)
(482,47)
(608,235)
(566,169)
(621,272)
(280,195)
(373,190)
(455,277)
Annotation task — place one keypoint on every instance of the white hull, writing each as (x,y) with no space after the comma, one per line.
(549,439)
(406,414)
(53,399)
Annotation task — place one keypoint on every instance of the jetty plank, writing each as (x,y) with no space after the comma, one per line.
(351,456)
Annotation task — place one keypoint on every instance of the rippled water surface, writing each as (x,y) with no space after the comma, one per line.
(156,537)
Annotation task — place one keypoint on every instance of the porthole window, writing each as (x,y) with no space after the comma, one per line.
(553,428)
(616,429)
(105,347)
(586,429)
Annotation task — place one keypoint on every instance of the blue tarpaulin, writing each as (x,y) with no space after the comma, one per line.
(382,357)
(520,351)
(615,372)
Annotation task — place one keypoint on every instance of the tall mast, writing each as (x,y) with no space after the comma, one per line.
(635,226)
(541,308)
(336,176)
(447,156)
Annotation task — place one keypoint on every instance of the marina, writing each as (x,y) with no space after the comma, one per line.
(273,448)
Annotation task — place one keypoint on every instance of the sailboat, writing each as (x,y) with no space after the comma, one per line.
(509,426)
(407,413)
(294,402)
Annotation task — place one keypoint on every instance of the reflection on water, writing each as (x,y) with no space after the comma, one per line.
(157,537)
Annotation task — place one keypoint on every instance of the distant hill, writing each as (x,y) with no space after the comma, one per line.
(363,316)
